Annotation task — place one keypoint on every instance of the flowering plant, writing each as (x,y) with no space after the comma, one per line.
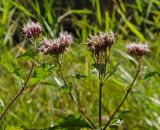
(100,47)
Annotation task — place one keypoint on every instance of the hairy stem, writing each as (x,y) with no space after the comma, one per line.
(20,92)
(87,118)
(100,104)
(74,101)
(125,97)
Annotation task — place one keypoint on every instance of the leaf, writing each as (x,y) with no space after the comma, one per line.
(22,8)
(29,53)
(101,68)
(98,12)
(65,87)
(119,83)
(116,124)
(139,5)
(127,56)
(59,82)
(43,71)
(150,74)
(1,104)
(17,71)
(94,71)
(83,11)
(117,121)
(79,76)
(107,21)
(112,71)
(122,114)
(131,26)
(70,122)
(13,128)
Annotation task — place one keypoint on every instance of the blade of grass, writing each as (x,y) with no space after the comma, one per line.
(22,8)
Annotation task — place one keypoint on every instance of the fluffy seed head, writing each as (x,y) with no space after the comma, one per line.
(32,30)
(56,46)
(100,42)
(138,49)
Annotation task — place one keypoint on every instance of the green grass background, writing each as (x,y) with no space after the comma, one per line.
(44,103)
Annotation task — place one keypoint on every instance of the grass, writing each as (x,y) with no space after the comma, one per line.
(44,102)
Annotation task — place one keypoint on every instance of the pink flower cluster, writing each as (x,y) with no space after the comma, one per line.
(137,49)
(101,42)
(32,30)
(56,46)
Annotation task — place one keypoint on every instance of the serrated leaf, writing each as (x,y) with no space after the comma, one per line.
(29,53)
(70,122)
(150,74)
(43,71)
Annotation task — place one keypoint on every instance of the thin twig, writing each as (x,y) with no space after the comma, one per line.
(138,70)
(20,92)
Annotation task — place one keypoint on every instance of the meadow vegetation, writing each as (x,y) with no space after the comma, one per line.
(47,103)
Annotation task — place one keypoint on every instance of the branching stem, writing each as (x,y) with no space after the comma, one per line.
(20,92)
(70,94)
(125,97)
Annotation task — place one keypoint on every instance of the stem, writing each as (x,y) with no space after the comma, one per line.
(100,104)
(20,92)
(82,111)
(138,70)
(62,75)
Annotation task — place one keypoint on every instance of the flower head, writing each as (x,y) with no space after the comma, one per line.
(100,42)
(138,49)
(56,46)
(32,30)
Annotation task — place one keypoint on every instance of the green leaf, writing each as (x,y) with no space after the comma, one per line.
(59,82)
(131,26)
(22,8)
(101,68)
(119,83)
(13,128)
(113,70)
(98,12)
(1,104)
(17,71)
(139,5)
(117,121)
(43,71)
(122,114)
(150,74)
(79,76)
(70,122)
(29,53)
(127,56)
(64,87)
